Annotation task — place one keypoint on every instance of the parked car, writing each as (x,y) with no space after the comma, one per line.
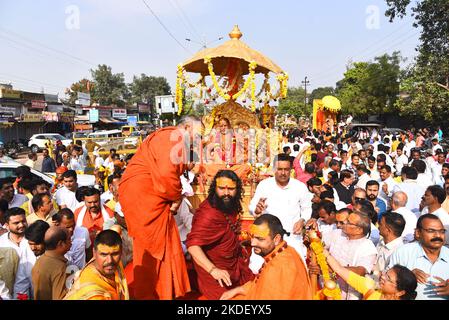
(37,141)
(7,169)
(354,129)
(393,131)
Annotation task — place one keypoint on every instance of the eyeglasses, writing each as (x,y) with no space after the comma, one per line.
(387,277)
(351,224)
(434,231)
(357,199)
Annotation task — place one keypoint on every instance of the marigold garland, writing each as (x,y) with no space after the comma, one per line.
(317,248)
(283,82)
(253,94)
(182,81)
(249,80)
(179,93)
(217,87)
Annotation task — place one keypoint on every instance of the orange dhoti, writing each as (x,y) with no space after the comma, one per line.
(149,186)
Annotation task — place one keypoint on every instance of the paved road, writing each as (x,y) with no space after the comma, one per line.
(24,157)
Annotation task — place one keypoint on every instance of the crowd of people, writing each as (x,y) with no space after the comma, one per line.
(379,202)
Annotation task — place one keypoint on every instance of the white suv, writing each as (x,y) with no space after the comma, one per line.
(37,141)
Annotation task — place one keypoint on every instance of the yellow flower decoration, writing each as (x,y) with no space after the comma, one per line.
(207,60)
(179,92)
(330,292)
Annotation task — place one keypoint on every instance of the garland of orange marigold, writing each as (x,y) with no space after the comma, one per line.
(217,87)
(179,94)
(333,293)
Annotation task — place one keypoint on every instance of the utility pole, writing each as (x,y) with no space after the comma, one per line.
(305,83)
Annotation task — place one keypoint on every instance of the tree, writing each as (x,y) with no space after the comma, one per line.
(84,85)
(370,87)
(321,92)
(293,104)
(425,88)
(421,98)
(109,88)
(145,88)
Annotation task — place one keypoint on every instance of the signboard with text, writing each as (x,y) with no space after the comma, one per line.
(132,120)
(32,117)
(50,116)
(9,93)
(38,104)
(66,116)
(105,113)
(143,107)
(83,99)
(119,113)
(93,115)
(5,116)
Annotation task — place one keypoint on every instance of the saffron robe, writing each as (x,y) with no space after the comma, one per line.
(284,277)
(212,232)
(90,284)
(147,190)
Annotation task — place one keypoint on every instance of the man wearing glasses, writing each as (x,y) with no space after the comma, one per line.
(350,247)
(428,258)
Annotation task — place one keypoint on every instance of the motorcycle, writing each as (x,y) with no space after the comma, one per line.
(9,149)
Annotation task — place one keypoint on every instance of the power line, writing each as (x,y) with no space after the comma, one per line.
(363,50)
(5,31)
(182,18)
(165,28)
(376,51)
(36,50)
(187,19)
(26,79)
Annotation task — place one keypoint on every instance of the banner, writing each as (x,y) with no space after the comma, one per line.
(9,93)
(132,120)
(143,107)
(5,116)
(119,113)
(105,113)
(66,116)
(30,96)
(32,117)
(38,104)
(83,99)
(50,116)
(93,115)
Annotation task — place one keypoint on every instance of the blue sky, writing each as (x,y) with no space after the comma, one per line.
(42,46)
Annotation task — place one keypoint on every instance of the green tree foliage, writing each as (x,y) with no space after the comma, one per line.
(84,85)
(293,104)
(425,88)
(370,87)
(321,92)
(421,98)
(145,88)
(109,88)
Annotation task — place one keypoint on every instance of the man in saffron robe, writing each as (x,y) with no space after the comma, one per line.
(219,259)
(103,277)
(283,275)
(150,194)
